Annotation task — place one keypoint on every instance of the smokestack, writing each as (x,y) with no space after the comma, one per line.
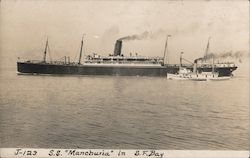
(118,48)
(195,66)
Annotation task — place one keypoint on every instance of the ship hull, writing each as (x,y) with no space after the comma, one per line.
(115,70)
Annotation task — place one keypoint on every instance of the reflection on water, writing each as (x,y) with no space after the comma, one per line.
(122,112)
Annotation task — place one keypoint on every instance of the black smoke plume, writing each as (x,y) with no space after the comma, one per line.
(144,35)
(235,55)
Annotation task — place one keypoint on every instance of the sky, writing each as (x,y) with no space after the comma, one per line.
(25,25)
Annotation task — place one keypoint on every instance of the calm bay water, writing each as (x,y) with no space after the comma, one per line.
(122,112)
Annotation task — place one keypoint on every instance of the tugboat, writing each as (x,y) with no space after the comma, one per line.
(187,74)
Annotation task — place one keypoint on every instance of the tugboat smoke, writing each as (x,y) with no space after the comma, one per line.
(230,54)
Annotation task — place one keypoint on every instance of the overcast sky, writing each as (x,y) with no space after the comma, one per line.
(25,24)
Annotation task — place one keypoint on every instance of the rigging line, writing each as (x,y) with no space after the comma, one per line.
(57,59)
(187,60)
(62,58)
(76,54)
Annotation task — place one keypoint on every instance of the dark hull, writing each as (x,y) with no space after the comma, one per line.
(65,69)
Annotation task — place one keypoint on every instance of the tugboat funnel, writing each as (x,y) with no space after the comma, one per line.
(195,66)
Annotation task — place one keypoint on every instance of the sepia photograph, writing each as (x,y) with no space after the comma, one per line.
(143,76)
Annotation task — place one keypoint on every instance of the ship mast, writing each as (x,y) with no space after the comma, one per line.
(45,51)
(213,67)
(207,49)
(80,57)
(181,60)
(165,50)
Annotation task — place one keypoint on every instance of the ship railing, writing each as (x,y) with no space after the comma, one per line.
(32,61)
(98,57)
(225,65)
(203,65)
(123,62)
(218,65)
(174,65)
(48,62)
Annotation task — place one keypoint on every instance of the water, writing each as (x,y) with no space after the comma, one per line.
(123,112)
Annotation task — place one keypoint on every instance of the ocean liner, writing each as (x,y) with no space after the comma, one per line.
(117,64)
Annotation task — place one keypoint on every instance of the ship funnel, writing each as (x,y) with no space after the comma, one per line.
(195,66)
(118,48)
